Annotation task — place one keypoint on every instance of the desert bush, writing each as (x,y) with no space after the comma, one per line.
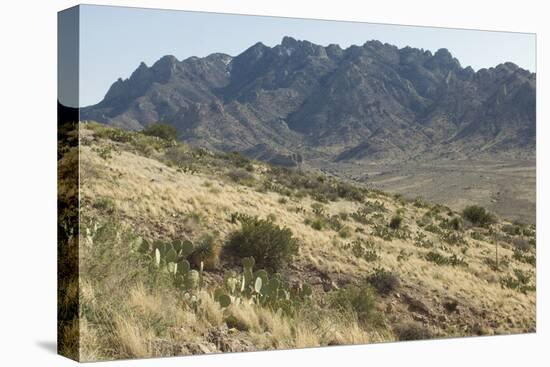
(511,229)
(345,232)
(343,215)
(360,217)
(412,331)
(477,236)
(521,255)
(350,192)
(521,244)
(478,216)
(373,207)
(105,152)
(320,188)
(179,156)
(433,229)
(384,281)
(424,221)
(334,223)
(104,204)
(453,238)
(520,281)
(364,249)
(317,223)
(503,262)
(318,209)
(419,202)
(359,300)
(456,223)
(161,130)
(440,259)
(271,246)
(239,160)
(395,222)
(421,240)
(240,176)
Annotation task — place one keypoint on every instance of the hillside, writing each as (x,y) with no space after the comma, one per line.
(369,266)
(368,103)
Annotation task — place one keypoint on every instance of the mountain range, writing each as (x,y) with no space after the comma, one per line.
(299,101)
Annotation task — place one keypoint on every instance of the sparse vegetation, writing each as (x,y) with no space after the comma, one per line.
(440,259)
(241,176)
(520,281)
(161,130)
(342,272)
(365,249)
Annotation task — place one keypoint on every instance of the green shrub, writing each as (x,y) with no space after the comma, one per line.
(524,257)
(511,229)
(374,207)
(345,232)
(318,223)
(239,160)
(240,176)
(419,202)
(318,209)
(334,223)
(521,244)
(384,281)
(520,281)
(271,246)
(359,300)
(456,223)
(395,222)
(421,240)
(440,259)
(161,130)
(343,216)
(105,204)
(364,249)
(453,238)
(478,216)
(477,236)
(412,331)
(179,156)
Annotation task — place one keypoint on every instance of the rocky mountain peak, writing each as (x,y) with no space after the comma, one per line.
(373,101)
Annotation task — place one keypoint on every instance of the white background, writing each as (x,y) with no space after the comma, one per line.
(28,182)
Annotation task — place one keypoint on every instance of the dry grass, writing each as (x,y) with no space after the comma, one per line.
(158,201)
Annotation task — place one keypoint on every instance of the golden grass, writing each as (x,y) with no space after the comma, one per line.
(161,202)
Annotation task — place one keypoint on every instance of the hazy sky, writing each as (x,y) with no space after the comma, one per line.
(114,40)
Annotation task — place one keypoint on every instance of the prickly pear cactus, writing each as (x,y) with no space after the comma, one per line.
(171,255)
(186,248)
(248,262)
(157,257)
(224,300)
(192,279)
(141,245)
(183,267)
(258,285)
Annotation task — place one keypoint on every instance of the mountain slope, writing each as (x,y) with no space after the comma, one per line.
(135,185)
(369,102)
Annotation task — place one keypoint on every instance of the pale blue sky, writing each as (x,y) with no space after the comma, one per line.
(114,40)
